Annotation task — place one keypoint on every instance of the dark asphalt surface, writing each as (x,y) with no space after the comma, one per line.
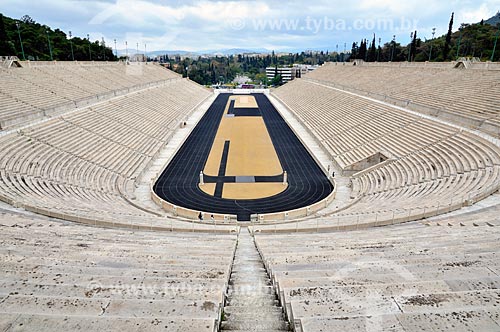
(178,184)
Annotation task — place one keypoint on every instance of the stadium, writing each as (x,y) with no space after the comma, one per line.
(358,196)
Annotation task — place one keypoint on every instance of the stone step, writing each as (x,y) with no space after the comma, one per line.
(126,292)
(252,302)
(243,283)
(50,323)
(255,325)
(261,273)
(250,290)
(254,315)
(255,279)
(234,309)
(65,306)
(254,330)
(248,297)
(244,260)
(244,268)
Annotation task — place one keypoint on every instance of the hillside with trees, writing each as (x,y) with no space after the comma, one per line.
(36,39)
(471,40)
(223,69)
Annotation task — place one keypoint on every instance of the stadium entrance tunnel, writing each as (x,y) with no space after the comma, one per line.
(242,159)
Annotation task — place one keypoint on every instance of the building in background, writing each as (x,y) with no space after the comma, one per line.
(289,73)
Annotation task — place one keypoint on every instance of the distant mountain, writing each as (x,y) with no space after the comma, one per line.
(493,20)
(132,51)
(170,52)
(221,52)
(233,51)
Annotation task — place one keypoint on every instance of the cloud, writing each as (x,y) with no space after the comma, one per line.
(474,14)
(204,24)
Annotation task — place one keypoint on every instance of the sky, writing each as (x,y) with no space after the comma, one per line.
(198,25)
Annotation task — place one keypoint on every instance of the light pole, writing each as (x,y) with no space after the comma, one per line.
(126,51)
(345,49)
(145,53)
(432,42)
(137,49)
(393,46)
(71,44)
(103,50)
(409,47)
(50,46)
(337,53)
(90,51)
(116,50)
(495,45)
(18,25)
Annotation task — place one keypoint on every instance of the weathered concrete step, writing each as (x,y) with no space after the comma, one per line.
(249,274)
(121,262)
(39,305)
(262,274)
(259,296)
(249,278)
(110,281)
(254,330)
(255,325)
(247,256)
(243,268)
(208,254)
(243,283)
(245,260)
(237,291)
(209,272)
(63,266)
(49,323)
(255,315)
(127,292)
(234,309)
(252,302)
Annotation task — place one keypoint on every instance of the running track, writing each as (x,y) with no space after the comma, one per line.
(178,184)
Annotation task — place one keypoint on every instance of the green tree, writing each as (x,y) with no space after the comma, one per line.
(372,54)
(277,80)
(34,36)
(447,42)
(5,44)
(413,46)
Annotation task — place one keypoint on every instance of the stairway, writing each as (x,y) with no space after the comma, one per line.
(252,304)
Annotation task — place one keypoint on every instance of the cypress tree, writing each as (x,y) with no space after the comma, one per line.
(354,50)
(373,51)
(413,48)
(362,50)
(447,41)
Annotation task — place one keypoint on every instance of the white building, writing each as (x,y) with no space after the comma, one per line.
(289,73)
(240,79)
(138,58)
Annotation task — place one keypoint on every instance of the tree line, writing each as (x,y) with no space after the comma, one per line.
(471,40)
(41,43)
(209,70)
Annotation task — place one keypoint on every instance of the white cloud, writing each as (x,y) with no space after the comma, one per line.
(206,24)
(476,13)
